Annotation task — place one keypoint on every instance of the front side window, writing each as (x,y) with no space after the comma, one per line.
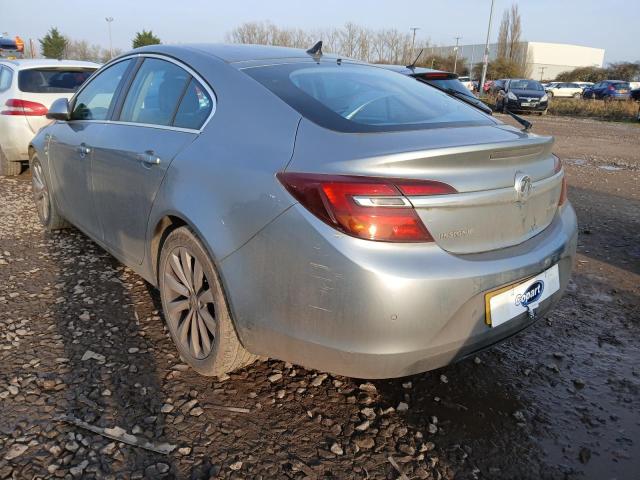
(155,93)
(94,101)
(361,98)
(5,78)
(52,80)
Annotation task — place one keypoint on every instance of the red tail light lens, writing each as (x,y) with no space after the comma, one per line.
(365,207)
(15,106)
(611,87)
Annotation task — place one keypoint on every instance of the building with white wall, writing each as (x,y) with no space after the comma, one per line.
(545,60)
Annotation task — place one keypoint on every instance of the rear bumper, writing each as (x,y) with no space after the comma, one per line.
(15,136)
(302,292)
(624,96)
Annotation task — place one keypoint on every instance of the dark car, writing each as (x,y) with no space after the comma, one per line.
(635,94)
(522,95)
(608,90)
(497,85)
(446,81)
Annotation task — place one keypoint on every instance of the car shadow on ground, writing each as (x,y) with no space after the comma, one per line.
(111,374)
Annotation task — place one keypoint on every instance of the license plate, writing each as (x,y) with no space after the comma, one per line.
(506,303)
(622,91)
(528,104)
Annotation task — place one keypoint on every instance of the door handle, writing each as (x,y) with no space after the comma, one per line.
(149,158)
(83,150)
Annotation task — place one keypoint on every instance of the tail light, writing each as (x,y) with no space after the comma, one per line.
(611,88)
(365,207)
(563,189)
(15,106)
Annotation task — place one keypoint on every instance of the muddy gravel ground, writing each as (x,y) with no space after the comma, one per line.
(87,367)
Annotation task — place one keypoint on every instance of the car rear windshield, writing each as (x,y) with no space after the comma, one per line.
(361,98)
(621,86)
(52,80)
(448,84)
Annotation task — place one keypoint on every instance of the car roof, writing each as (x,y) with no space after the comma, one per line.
(27,63)
(234,53)
(408,71)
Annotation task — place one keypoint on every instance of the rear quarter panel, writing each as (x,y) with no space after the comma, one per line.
(223,184)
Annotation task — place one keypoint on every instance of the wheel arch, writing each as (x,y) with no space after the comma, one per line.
(169,222)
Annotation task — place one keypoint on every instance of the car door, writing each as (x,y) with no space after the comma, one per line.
(70,146)
(162,112)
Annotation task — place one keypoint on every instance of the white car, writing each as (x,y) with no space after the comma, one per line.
(27,89)
(564,89)
(466,81)
(584,85)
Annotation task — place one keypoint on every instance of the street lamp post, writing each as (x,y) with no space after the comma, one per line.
(413,40)
(109,20)
(485,60)
(542,69)
(455,61)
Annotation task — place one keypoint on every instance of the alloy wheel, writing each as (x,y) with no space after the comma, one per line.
(190,305)
(40,192)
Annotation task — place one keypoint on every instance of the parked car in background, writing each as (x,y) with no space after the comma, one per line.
(9,49)
(497,85)
(564,89)
(27,89)
(466,81)
(584,85)
(522,95)
(608,90)
(310,208)
(635,94)
(446,81)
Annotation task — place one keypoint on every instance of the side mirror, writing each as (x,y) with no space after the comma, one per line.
(59,110)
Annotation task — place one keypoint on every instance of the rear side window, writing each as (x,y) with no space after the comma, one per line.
(361,98)
(155,93)
(95,99)
(621,86)
(52,80)
(5,78)
(195,107)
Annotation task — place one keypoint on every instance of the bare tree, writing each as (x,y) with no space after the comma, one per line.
(503,35)
(515,32)
(351,40)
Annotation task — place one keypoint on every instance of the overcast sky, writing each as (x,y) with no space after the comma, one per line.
(609,24)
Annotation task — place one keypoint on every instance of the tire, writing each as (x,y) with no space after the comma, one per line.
(550,94)
(577,95)
(504,108)
(195,308)
(7,167)
(48,212)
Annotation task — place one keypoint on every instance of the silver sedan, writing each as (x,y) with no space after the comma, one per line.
(310,208)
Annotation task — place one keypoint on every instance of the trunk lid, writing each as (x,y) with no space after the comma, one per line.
(507,184)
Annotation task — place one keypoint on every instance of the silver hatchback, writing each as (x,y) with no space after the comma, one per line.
(310,208)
